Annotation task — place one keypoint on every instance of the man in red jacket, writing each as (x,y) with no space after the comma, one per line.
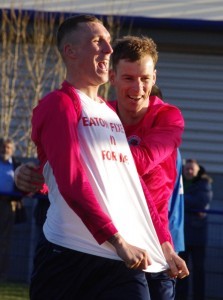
(153,128)
(136,97)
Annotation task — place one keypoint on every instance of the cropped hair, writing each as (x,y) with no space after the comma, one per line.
(133,48)
(71,24)
(156,91)
(192,161)
(5,141)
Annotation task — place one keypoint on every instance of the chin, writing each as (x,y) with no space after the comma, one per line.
(104,79)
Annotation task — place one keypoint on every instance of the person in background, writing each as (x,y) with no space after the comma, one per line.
(180,130)
(154,131)
(8,198)
(85,253)
(198,195)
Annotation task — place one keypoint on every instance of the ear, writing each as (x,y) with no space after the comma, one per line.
(111,76)
(154,76)
(69,50)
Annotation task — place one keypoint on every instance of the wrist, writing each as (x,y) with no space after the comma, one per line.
(115,240)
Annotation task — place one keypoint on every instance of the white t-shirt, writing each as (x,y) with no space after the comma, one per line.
(107,160)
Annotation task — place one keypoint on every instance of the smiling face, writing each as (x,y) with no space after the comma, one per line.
(133,82)
(6,150)
(94,51)
(87,54)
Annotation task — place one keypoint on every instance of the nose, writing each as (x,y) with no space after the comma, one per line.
(107,48)
(137,86)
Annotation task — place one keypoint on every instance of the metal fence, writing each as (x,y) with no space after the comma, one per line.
(214,256)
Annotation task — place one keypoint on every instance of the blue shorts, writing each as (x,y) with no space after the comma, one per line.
(161,286)
(63,274)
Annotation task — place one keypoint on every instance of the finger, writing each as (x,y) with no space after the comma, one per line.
(182,276)
(32,165)
(133,266)
(129,266)
(141,264)
(183,273)
(134,262)
(29,180)
(32,175)
(28,186)
(138,265)
(173,268)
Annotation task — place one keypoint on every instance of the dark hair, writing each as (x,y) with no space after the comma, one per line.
(192,161)
(156,91)
(202,170)
(5,141)
(71,24)
(133,48)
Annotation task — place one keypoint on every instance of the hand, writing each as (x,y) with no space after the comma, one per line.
(177,266)
(27,179)
(134,257)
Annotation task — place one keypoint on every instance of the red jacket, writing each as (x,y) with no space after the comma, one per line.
(154,141)
(58,113)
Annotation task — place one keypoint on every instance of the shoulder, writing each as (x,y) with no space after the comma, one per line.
(165,112)
(206,179)
(55,98)
(112,104)
(160,105)
(16,162)
(56,102)
(203,184)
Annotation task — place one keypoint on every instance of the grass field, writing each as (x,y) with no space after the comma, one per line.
(14,291)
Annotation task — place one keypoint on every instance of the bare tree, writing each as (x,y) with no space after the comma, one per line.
(43,63)
(9,60)
(30,67)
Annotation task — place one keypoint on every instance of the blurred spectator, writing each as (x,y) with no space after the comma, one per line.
(8,197)
(197,196)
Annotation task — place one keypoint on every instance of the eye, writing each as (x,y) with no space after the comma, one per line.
(128,78)
(98,40)
(145,79)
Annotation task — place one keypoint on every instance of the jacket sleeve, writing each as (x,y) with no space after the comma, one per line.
(159,141)
(54,131)
(200,196)
(162,233)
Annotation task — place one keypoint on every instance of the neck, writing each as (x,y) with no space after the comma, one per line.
(90,91)
(131,118)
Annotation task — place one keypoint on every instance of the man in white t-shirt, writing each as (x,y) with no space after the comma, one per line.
(99,216)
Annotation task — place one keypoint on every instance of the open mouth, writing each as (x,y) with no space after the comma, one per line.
(103,65)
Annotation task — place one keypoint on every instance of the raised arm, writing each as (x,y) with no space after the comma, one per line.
(160,140)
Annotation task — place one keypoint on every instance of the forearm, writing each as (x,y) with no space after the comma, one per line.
(60,159)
